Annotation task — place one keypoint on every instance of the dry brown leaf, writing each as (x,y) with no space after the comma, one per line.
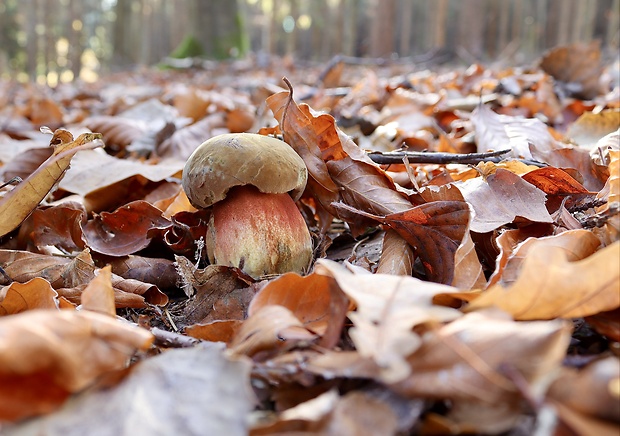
(550,286)
(124,231)
(16,205)
(190,378)
(98,296)
(554,181)
(502,197)
(270,330)
(315,300)
(36,293)
(502,132)
(60,226)
(593,390)
(215,331)
(466,361)
(48,355)
(576,244)
(388,307)
(91,171)
(69,276)
(577,67)
(396,255)
(590,127)
(434,229)
(217,292)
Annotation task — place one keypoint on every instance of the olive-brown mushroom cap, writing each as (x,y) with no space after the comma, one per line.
(238,159)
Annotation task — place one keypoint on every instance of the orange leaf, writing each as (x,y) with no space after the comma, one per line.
(48,355)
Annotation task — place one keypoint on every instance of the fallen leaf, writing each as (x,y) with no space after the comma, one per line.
(48,355)
(576,66)
(466,360)
(502,132)
(315,300)
(590,127)
(98,296)
(270,330)
(388,308)
(554,181)
(36,293)
(550,286)
(190,377)
(60,226)
(435,230)
(501,198)
(396,255)
(576,244)
(16,205)
(592,390)
(124,231)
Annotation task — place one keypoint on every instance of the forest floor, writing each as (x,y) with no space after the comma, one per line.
(465,272)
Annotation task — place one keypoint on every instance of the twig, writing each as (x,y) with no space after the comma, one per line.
(164,338)
(396,157)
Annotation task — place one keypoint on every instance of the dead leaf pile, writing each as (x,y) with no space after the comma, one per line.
(466,271)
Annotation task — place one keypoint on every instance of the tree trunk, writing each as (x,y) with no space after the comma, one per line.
(382,22)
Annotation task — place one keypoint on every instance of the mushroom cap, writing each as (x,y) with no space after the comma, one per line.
(238,159)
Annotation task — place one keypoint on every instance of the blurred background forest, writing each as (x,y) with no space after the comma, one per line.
(52,41)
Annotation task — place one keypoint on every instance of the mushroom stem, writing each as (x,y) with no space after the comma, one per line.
(260,233)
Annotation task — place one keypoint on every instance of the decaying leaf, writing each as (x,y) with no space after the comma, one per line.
(500,198)
(388,308)
(191,378)
(48,355)
(550,286)
(469,359)
(21,201)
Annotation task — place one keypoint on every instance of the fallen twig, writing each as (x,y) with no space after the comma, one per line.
(164,338)
(396,157)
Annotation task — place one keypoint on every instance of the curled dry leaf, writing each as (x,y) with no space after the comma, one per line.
(434,229)
(396,255)
(48,355)
(69,276)
(16,205)
(98,296)
(269,331)
(576,244)
(218,292)
(315,300)
(388,308)
(550,286)
(60,226)
(554,181)
(124,231)
(36,293)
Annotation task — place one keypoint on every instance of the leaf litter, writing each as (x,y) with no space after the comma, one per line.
(443,298)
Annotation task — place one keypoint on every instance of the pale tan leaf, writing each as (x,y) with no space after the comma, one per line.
(550,286)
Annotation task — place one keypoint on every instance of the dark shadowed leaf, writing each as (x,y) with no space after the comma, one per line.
(124,231)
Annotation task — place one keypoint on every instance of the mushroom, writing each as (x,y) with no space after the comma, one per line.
(251,183)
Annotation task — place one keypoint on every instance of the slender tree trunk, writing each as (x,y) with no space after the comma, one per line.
(381,36)
(406,18)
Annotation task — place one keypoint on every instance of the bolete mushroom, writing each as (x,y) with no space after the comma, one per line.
(251,183)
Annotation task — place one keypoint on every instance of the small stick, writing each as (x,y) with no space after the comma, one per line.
(164,338)
(396,157)
(14,181)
